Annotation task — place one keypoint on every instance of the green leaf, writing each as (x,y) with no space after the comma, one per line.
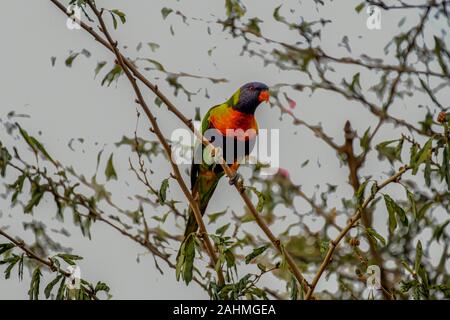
(439,231)
(189,259)
(5,247)
(165,12)
(423,210)
(355,85)
(261,202)
(162,194)
(220,231)
(392,153)
(401,214)
(48,289)
(35,144)
(110,171)
(364,141)
(158,102)
(324,247)
(360,193)
(305,163)
(214,216)
(21,264)
(374,189)
(99,67)
(71,58)
(112,75)
(234,8)
(438,49)
(419,253)
(210,51)
(33,292)
(395,211)
(180,260)
(229,258)
(412,202)
(114,20)
(445,166)
(425,282)
(422,156)
(407,267)
(391,211)
(261,199)
(427,174)
(17,186)
(157,64)
(253,26)
(5,158)
(153,46)
(256,252)
(294,288)
(359,7)
(119,14)
(69,258)
(101,286)
(61,289)
(161,219)
(277,16)
(401,22)
(185,259)
(34,201)
(261,267)
(412,154)
(11,261)
(375,236)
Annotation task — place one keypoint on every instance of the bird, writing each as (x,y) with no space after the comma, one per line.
(230,125)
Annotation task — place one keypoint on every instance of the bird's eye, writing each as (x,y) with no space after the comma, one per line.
(251,88)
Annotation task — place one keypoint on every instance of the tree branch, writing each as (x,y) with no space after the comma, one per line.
(357,215)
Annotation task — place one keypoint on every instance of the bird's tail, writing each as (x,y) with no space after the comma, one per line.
(207,185)
(191,225)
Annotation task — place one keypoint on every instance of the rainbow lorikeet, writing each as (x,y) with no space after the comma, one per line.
(231,124)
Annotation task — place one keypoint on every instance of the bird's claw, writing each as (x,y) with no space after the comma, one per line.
(234,180)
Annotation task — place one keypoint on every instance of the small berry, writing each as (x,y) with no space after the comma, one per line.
(442,117)
(354,242)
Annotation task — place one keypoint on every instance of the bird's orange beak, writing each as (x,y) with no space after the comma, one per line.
(264,96)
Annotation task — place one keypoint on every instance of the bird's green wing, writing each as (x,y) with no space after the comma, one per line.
(205,121)
(195,168)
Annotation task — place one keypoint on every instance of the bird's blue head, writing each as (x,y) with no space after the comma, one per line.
(249,96)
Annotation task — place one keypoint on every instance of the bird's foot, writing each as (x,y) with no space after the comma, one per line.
(235,179)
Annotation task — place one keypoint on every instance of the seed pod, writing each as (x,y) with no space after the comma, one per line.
(442,117)
(354,242)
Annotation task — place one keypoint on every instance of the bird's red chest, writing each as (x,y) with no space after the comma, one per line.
(234,123)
